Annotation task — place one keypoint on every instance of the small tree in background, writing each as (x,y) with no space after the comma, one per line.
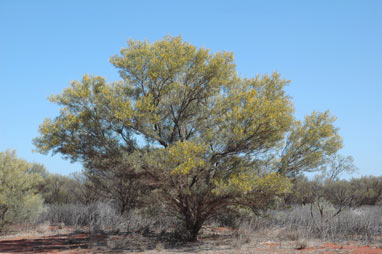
(199,134)
(83,190)
(341,194)
(326,190)
(302,192)
(57,189)
(337,165)
(19,198)
(367,190)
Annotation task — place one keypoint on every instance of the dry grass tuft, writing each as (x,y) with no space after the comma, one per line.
(301,244)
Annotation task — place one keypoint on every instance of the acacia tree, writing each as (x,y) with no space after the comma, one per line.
(204,137)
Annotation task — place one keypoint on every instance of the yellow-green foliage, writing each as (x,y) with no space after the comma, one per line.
(309,142)
(187,156)
(184,117)
(19,200)
(271,183)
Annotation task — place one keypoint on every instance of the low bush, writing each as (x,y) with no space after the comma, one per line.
(105,217)
(362,223)
(97,217)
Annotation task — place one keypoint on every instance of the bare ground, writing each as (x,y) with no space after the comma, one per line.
(213,240)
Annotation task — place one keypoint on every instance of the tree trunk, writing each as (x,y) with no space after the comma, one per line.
(193,229)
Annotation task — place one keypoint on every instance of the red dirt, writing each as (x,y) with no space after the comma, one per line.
(69,243)
(64,243)
(351,248)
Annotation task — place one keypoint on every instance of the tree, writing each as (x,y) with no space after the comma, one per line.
(57,189)
(202,136)
(83,190)
(19,200)
(367,190)
(338,164)
(341,194)
(302,192)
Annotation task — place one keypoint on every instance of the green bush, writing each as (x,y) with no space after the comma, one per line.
(19,200)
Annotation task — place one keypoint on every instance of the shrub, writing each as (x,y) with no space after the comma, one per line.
(97,217)
(19,201)
(362,223)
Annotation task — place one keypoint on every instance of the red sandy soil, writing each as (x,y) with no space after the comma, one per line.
(65,243)
(323,248)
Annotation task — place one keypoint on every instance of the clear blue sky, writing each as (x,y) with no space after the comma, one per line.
(330,50)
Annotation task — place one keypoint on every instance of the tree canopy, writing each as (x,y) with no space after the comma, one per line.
(195,131)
